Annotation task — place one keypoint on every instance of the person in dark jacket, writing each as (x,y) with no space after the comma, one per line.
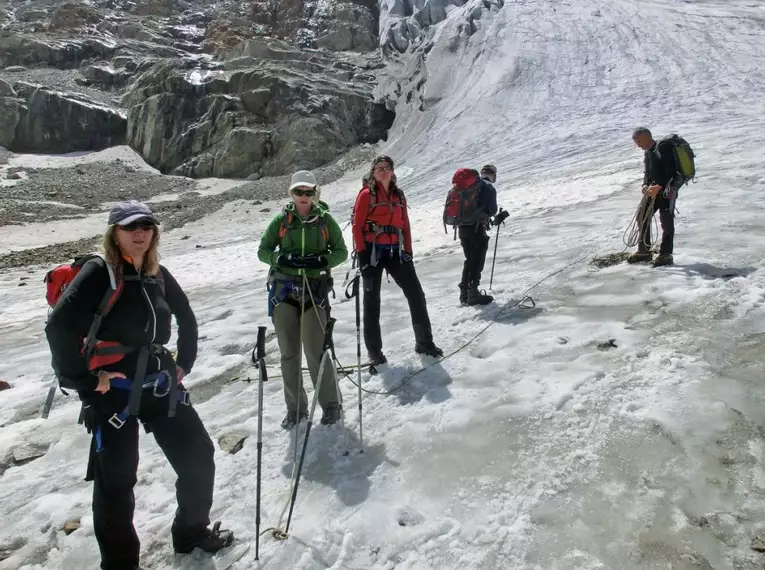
(475,241)
(660,185)
(382,239)
(140,383)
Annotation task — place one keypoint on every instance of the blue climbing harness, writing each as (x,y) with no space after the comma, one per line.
(159,383)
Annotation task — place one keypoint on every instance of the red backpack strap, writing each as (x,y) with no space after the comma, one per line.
(113,292)
(285,225)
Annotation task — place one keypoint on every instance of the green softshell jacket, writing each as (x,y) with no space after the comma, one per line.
(303,237)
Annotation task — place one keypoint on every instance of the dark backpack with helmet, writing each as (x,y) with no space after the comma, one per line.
(462,202)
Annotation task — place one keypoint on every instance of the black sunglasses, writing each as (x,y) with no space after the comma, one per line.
(145,225)
(299,192)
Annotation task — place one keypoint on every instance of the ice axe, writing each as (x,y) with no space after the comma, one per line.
(499,220)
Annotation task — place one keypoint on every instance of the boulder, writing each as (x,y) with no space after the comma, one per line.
(71,526)
(267,120)
(4,385)
(106,75)
(10,114)
(232,443)
(26,453)
(6,90)
(50,121)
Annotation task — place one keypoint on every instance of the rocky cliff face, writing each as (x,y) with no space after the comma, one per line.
(198,87)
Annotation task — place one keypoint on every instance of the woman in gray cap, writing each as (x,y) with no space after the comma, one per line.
(128,299)
(301,244)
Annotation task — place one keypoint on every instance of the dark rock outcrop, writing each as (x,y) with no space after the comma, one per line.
(296,110)
(43,120)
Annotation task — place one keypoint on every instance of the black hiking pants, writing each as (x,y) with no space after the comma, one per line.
(475,243)
(404,275)
(188,448)
(666,209)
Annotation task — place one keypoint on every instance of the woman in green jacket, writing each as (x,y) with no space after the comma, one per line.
(301,244)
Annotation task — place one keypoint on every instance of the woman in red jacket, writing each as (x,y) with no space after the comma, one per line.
(382,240)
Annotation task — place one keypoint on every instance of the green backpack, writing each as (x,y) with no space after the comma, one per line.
(684,156)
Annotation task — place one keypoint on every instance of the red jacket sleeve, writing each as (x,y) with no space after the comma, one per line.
(360,210)
(407,229)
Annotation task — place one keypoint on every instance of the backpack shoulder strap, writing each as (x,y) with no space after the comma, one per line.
(110,297)
(286,224)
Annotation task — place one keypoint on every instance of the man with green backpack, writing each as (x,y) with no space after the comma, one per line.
(669,163)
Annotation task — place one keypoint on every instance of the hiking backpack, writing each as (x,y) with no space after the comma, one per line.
(462,201)
(684,156)
(58,279)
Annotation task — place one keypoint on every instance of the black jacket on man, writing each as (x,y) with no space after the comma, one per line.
(660,166)
(141,316)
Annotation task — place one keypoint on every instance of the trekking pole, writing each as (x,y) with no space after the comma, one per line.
(355,293)
(324,359)
(261,363)
(494,257)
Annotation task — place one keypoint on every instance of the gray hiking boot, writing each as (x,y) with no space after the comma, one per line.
(640,257)
(662,260)
(332,414)
(293,418)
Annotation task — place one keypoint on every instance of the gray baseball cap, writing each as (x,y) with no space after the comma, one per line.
(129,211)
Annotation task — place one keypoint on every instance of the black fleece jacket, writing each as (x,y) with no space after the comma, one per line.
(660,165)
(141,316)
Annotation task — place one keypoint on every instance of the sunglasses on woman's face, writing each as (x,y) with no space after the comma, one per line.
(144,225)
(300,192)
(383,169)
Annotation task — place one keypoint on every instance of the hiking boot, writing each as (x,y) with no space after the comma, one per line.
(377,358)
(332,414)
(662,259)
(640,257)
(292,418)
(209,540)
(463,294)
(476,297)
(429,348)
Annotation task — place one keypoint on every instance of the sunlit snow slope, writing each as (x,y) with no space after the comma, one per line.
(531,448)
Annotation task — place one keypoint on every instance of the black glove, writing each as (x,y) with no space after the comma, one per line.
(314,261)
(89,416)
(290,260)
(364,258)
(500,218)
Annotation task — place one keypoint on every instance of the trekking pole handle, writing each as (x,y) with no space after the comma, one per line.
(261,343)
